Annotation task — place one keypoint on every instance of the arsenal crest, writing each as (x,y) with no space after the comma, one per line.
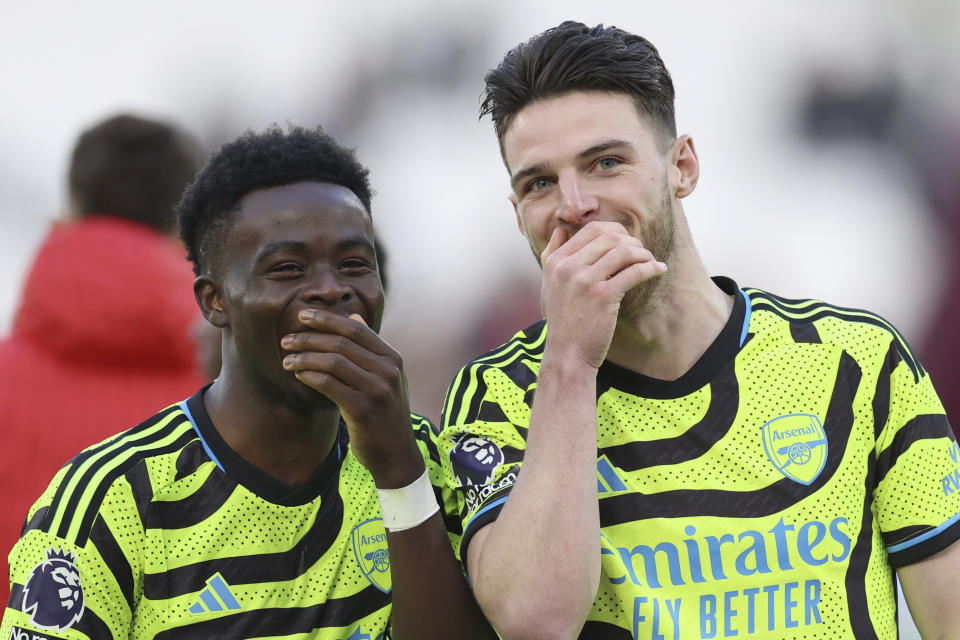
(370,548)
(796,445)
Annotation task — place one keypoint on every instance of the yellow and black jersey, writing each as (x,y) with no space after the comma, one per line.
(769,492)
(165,532)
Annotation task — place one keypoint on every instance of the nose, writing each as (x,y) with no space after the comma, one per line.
(576,202)
(325,287)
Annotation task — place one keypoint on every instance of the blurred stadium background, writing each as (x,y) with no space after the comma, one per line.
(828,133)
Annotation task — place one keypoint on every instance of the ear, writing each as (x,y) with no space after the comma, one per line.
(684,167)
(207,292)
(516,210)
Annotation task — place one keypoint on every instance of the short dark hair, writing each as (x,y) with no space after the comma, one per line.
(254,161)
(133,168)
(575,57)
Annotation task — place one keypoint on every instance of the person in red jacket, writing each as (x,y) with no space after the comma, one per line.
(101,335)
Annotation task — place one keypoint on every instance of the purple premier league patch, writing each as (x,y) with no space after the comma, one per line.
(53,595)
(475,459)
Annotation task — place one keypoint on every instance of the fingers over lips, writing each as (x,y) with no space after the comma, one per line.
(325,323)
(314,350)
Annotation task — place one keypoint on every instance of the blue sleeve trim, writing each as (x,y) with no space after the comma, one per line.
(926,536)
(746,317)
(484,516)
(493,505)
(206,447)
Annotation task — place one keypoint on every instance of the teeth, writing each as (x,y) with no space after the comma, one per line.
(358,318)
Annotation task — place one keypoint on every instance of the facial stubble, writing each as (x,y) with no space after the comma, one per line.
(659,237)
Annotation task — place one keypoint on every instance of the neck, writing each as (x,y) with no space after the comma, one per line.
(284,442)
(669,333)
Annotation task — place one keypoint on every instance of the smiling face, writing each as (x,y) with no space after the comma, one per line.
(307,245)
(586,156)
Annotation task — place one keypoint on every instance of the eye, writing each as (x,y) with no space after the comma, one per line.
(538,184)
(286,269)
(607,163)
(357,266)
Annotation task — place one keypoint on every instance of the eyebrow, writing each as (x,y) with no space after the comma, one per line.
(276,247)
(606,145)
(299,246)
(356,241)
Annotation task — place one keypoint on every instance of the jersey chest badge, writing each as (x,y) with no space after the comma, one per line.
(796,444)
(370,548)
(53,595)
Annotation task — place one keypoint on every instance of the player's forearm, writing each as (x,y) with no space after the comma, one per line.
(930,587)
(538,569)
(431,599)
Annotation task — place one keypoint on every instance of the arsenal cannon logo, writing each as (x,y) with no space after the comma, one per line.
(796,445)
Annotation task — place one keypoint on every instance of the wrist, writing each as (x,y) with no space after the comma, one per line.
(398,470)
(567,366)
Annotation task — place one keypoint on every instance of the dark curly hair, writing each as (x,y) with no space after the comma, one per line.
(253,161)
(575,57)
(133,168)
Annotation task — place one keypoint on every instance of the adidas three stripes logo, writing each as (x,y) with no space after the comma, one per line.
(216,597)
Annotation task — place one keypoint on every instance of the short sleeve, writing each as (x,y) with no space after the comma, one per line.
(482,444)
(74,587)
(917,485)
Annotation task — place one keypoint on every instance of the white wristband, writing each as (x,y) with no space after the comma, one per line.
(408,506)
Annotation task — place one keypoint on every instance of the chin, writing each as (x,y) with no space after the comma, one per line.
(638,301)
(305,398)
(298,396)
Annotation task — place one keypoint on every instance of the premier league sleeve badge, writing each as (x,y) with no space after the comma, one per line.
(475,460)
(53,595)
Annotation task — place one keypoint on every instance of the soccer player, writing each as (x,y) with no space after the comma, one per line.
(288,498)
(669,455)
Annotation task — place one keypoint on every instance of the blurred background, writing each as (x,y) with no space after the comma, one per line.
(828,134)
